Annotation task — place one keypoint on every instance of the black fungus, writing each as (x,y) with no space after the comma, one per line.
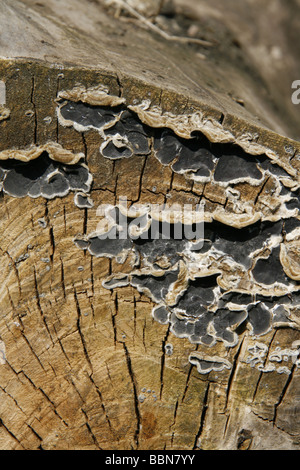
(131,138)
(114,152)
(268,271)
(161,314)
(87,115)
(198,296)
(43,177)
(82,201)
(110,247)
(224,320)
(158,286)
(167,146)
(259,317)
(236,167)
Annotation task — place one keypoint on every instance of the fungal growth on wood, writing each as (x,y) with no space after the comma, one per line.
(43,176)
(205,291)
(239,270)
(207,364)
(150,225)
(54,150)
(83,201)
(244,270)
(199,149)
(260,359)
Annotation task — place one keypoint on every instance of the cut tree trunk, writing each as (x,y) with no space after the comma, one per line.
(143,342)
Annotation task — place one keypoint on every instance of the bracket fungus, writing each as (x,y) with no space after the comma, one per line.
(188,147)
(242,267)
(205,295)
(150,222)
(43,177)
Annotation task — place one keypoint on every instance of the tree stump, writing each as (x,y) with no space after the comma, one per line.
(114,336)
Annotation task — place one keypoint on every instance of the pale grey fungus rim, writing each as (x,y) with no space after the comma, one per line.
(206,364)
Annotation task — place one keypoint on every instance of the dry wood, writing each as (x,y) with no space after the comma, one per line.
(87,366)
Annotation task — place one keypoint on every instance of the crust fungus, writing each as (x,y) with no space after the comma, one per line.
(207,292)
(289,259)
(260,319)
(206,364)
(83,201)
(244,268)
(83,117)
(44,177)
(257,354)
(104,247)
(157,287)
(270,270)
(128,134)
(269,361)
(95,96)
(123,134)
(194,146)
(161,314)
(169,349)
(55,152)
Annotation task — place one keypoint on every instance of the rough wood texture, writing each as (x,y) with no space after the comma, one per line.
(93,355)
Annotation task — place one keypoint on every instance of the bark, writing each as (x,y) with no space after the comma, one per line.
(93,355)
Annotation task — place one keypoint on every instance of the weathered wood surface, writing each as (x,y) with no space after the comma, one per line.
(85,367)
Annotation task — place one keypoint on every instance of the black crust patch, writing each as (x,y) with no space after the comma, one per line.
(43,177)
